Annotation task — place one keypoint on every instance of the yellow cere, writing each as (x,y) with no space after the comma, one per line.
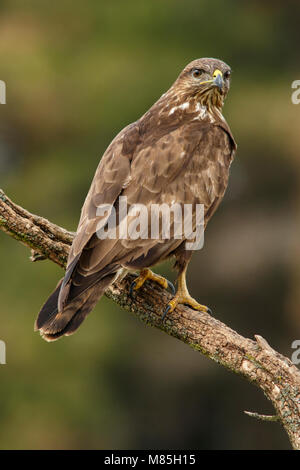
(217,72)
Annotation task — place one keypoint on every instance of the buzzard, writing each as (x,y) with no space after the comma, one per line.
(178,151)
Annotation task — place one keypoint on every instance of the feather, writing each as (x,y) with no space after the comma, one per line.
(180,152)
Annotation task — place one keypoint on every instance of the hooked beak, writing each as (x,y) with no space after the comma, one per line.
(218,79)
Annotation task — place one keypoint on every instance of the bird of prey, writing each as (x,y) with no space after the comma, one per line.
(178,151)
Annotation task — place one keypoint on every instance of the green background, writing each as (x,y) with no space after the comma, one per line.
(76,74)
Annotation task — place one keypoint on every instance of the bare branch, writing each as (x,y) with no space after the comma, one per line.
(255,360)
(44,238)
(271,418)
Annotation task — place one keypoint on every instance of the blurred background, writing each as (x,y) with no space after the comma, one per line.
(76,74)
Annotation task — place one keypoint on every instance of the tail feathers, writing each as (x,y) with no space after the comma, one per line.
(49,309)
(53,324)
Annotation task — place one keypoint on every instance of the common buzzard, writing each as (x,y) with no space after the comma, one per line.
(179,151)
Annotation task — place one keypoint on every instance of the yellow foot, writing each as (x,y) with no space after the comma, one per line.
(183,297)
(186,300)
(146,274)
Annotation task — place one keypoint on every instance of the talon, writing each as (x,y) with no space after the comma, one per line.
(209,310)
(171,286)
(168,308)
(131,289)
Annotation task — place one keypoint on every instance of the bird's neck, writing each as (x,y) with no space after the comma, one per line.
(179,107)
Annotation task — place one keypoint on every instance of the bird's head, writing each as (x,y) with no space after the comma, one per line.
(206,79)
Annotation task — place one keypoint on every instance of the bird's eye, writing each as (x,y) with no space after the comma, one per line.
(227,74)
(197,72)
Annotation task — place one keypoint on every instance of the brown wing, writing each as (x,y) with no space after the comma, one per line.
(188,165)
(111,176)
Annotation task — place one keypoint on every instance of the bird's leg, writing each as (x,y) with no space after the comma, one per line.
(148,274)
(183,297)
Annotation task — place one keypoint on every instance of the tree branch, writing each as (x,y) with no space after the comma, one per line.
(255,360)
